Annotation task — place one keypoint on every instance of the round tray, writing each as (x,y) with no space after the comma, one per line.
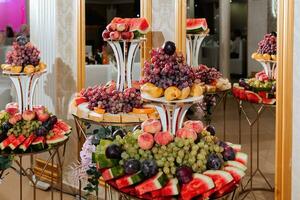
(34,152)
(266,61)
(148,197)
(121,124)
(162,100)
(9,73)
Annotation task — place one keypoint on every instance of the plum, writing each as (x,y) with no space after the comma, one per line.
(113,151)
(149,168)
(228,153)
(132,166)
(184,174)
(211,129)
(214,162)
(169,48)
(120,132)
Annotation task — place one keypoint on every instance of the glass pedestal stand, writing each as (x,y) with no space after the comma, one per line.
(259,110)
(193,44)
(55,153)
(269,68)
(25,87)
(125,52)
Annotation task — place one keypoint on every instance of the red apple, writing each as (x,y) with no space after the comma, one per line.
(196,125)
(28,115)
(12,108)
(106,34)
(43,116)
(163,138)
(115,35)
(39,109)
(15,118)
(111,27)
(151,126)
(145,141)
(127,35)
(186,133)
(80,100)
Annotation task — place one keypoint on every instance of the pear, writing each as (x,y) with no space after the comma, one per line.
(152,90)
(172,93)
(196,90)
(185,92)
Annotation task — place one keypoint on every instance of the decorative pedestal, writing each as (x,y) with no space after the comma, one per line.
(269,68)
(25,87)
(193,44)
(259,109)
(172,113)
(125,52)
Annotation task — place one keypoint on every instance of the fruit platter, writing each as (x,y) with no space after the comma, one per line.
(259,90)
(23,59)
(149,163)
(105,104)
(32,131)
(196,26)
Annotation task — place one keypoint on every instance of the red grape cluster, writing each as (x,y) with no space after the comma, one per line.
(165,70)
(206,74)
(112,100)
(22,55)
(268,45)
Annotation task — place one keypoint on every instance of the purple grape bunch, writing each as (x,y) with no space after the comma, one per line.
(268,45)
(206,75)
(164,70)
(112,100)
(23,53)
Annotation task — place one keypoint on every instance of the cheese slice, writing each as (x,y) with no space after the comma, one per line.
(129,118)
(83,111)
(107,117)
(142,117)
(95,116)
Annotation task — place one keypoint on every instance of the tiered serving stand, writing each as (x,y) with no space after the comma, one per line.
(193,45)
(125,52)
(259,109)
(25,87)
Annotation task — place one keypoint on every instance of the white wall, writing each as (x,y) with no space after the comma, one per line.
(257,28)
(296,107)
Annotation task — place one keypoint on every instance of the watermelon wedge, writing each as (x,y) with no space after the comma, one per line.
(16,142)
(237,173)
(130,180)
(171,189)
(241,157)
(27,142)
(154,183)
(196,25)
(220,178)
(7,141)
(236,147)
(197,186)
(63,126)
(113,173)
(38,143)
(139,26)
(57,131)
(80,100)
(269,101)
(236,164)
(253,97)
(56,139)
(226,189)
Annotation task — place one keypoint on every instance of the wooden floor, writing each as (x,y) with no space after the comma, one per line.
(9,188)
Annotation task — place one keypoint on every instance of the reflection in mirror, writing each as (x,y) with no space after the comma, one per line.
(100,60)
(14,21)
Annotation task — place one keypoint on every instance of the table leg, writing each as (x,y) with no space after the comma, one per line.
(21,181)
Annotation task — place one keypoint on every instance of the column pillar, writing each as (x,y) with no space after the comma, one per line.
(224,38)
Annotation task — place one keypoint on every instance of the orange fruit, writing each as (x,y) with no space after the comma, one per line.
(99,110)
(16,69)
(143,110)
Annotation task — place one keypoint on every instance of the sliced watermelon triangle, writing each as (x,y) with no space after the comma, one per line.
(220,177)
(63,126)
(56,139)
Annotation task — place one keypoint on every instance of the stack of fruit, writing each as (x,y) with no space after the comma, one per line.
(267,49)
(31,131)
(107,104)
(259,89)
(196,26)
(151,164)
(126,29)
(24,57)
(166,74)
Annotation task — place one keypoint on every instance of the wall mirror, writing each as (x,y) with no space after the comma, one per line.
(14,21)
(98,63)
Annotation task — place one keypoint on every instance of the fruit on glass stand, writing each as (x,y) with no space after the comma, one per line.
(29,69)
(113,151)
(172,93)
(105,34)
(122,27)
(169,47)
(196,125)
(145,141)
(28,115)
(196,25)
(268,45)
(149,168)
(196,90)
(206,75)
(12,108)
(185,92)
(127,35)
(214,162)
(111,27)
(15,118)
(163,138)
(186,133)
(152,90)
(151,126)
(132,166)
(184,174)
(115,35)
